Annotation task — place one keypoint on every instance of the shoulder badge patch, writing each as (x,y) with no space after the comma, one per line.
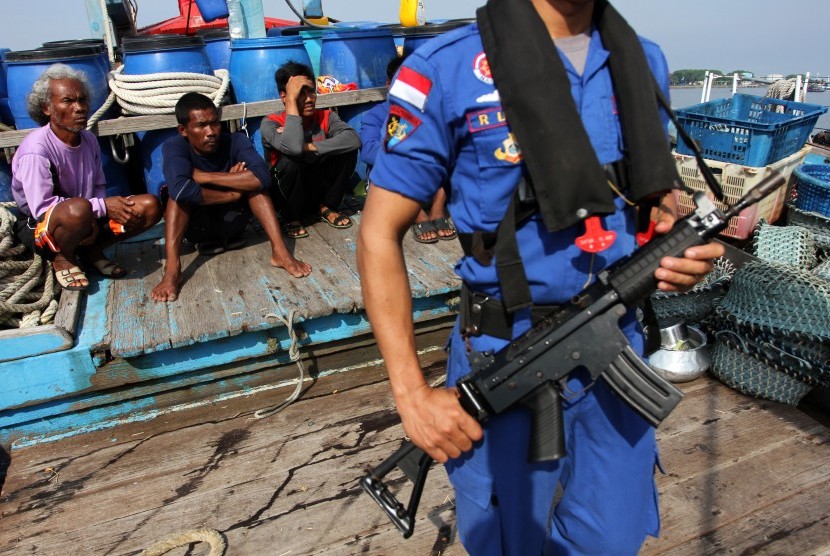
(412,87)
(509,150)
(481,69)
(400,125)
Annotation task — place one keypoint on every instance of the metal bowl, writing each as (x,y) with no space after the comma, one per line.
(683,355)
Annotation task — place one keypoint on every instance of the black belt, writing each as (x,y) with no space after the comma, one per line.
(484,314)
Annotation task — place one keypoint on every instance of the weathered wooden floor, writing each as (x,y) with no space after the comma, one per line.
(744,477)
(239,291)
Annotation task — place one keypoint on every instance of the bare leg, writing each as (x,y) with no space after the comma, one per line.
(263,208)
(150,212)
(72,224)
(176,218)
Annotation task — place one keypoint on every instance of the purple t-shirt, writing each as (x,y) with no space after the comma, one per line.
(78,170)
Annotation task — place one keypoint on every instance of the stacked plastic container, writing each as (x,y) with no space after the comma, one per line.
(744,138)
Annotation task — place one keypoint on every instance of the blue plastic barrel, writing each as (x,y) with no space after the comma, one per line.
(5,182)
(253,65)
(212,9)
(312,40)
(359,56)
(151,142)
(218,47)
(165,53)
(255,61)
(5,111)
(4,92)
(114,171)
(23,67)
(162,54)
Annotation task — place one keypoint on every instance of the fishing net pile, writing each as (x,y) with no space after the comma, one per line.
(772,326)
(27,284)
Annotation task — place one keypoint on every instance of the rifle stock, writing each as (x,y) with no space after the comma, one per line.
(584,334)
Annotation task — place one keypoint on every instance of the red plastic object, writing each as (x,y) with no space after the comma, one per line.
(596,238)
(181,25)
(645,237)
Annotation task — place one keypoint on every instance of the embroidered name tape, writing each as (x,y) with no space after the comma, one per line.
(412,87)
(486,119)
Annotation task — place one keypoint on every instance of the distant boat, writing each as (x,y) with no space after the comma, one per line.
(816,87)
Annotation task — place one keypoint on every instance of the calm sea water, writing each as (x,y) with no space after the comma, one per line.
(681,98)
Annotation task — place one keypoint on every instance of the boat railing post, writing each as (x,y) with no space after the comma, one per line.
(709,87)
(705,83)
(734,83)
(798,96)
(806,84)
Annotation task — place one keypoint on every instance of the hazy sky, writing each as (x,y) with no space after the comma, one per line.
(763,36)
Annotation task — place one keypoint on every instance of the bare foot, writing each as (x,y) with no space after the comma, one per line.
(294,267)
(167,289)
(62,263)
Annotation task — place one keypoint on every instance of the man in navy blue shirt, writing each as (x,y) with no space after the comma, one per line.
(213,180)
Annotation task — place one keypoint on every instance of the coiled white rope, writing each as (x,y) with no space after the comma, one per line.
(210,536)
(783,89)
(27,286)
(151,94)
(294,354)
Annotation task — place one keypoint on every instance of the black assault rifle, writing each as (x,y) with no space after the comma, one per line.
(584,333)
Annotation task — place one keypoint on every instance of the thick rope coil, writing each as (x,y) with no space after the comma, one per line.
(21,280)
(210,536)
(157,93)
(294,354)
(783,89)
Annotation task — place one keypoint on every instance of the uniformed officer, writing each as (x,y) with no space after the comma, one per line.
(447,123)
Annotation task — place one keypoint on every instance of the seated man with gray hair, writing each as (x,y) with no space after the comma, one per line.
(58,183)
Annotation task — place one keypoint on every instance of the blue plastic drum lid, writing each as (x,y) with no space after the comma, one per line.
(218,47)
(212,9)
(164,54)
(255,61)
(357,56)
(413,37)
(94,43)
(24,67)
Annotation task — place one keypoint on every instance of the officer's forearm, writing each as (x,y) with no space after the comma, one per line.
(388,300)
(387,296)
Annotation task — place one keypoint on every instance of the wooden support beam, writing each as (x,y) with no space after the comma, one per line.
(130,124)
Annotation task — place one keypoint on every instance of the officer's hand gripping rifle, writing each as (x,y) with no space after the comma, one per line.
(585,333)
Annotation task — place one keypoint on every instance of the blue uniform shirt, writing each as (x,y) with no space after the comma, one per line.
(446,123)
(372,132)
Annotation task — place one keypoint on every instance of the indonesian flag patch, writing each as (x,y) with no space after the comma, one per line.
(412,87)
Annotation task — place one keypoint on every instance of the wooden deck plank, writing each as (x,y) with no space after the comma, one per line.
(123,497)
(135,324)
(731,459)
(746,476)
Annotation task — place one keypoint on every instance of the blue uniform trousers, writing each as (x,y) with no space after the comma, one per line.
(607,503)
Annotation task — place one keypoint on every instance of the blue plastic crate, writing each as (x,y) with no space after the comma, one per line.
(812,193)
(747,129)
